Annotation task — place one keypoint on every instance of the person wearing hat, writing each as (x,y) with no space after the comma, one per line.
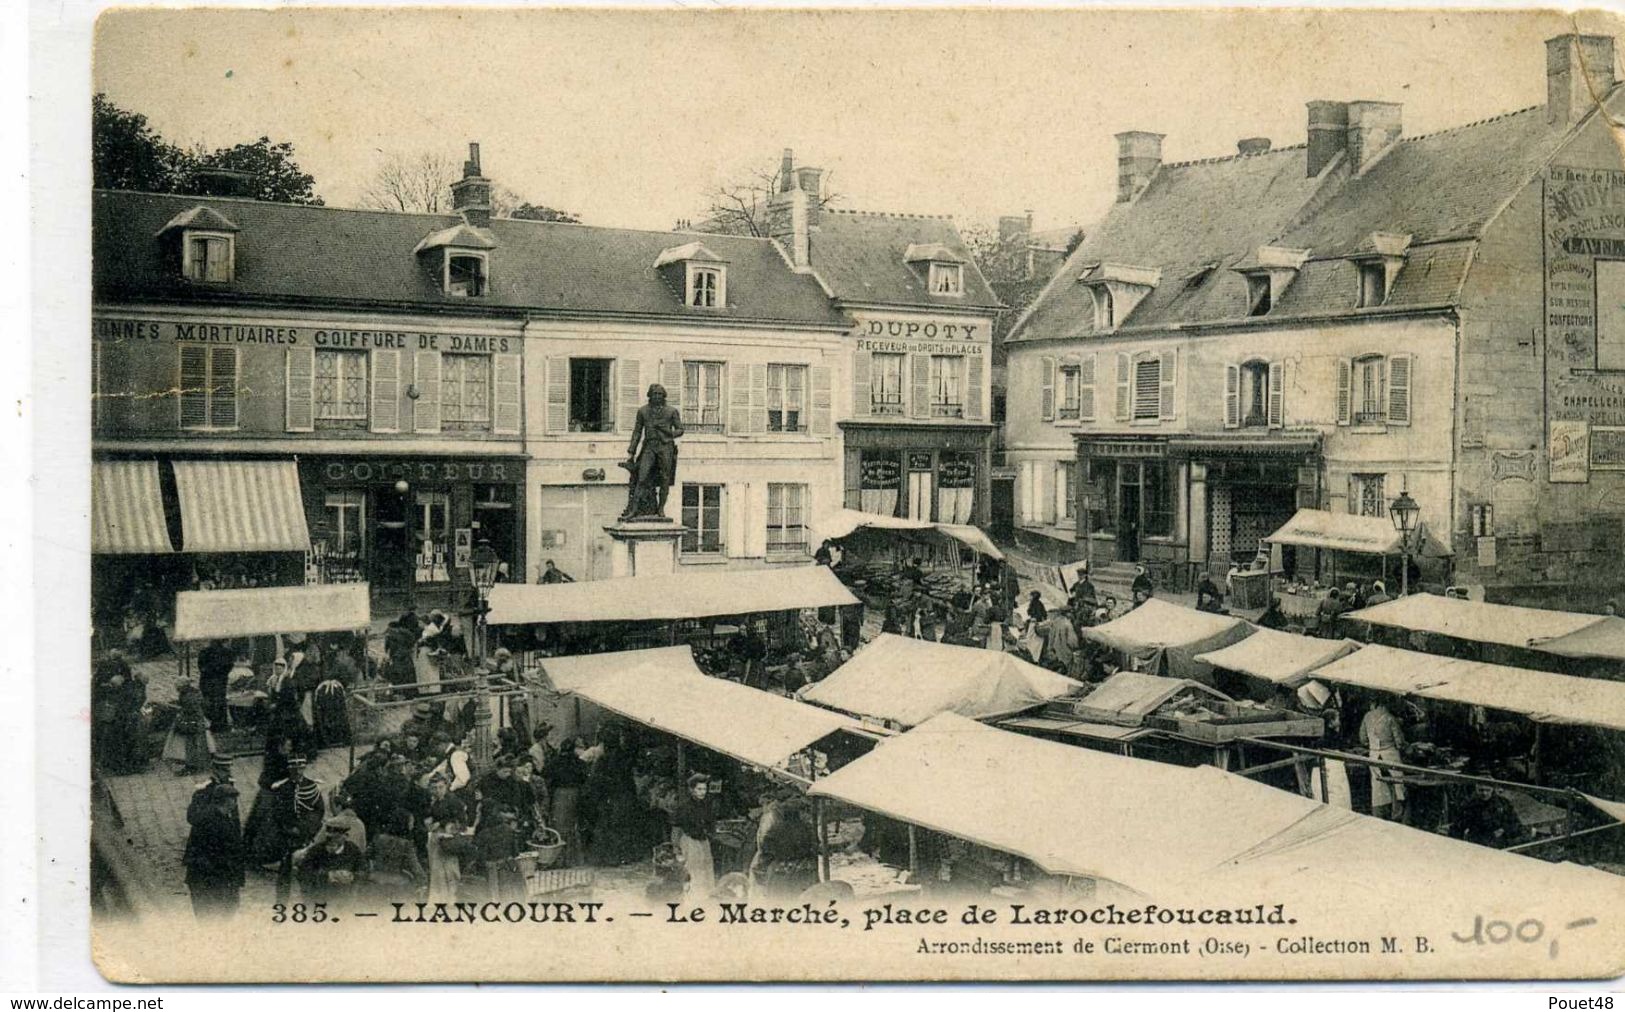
(215,857)
(294,817)
(1273,617)
(1083,598)
(1383,735)
(694,821)
(1142,588)
(1330,614)
(330,865)
(344,816)
(1208,596)
(1378,595)
(651,456)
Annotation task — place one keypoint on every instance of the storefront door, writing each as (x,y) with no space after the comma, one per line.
(921,485)
(1128,512)
(431,525)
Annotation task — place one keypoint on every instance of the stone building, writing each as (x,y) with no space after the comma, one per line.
(1330,323)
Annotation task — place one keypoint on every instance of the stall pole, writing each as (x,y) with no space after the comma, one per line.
(1325,799)
(822,828)
(682,763)
(913,853)
(1534,756)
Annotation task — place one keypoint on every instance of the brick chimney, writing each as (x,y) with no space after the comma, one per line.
(1139,154)
(1579,72)
(1328,133)
(1374,127)
(471,195)
(789,213)
(811,182)
(1253,146)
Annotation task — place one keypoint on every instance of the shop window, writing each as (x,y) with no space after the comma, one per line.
(465,274)
(465,391)
(207,257)
(706,287)
(433,559)
(591,408)
(1255,382)
(1159,499)
(1103,507)
(1370,390)
(1483,520)
(786,519)
(1365,495)
(886,384)
(702,519)
(344,549)
(1070,405)
(947,279)
(1147,388)
(947,377)
(341,389)
(786,398)
(702,396)
(208,387)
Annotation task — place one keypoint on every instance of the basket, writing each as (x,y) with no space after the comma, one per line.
(548,847)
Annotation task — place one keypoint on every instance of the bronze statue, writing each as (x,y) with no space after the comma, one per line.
(651,458)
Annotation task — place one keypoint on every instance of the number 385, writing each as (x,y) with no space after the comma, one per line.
(298,913)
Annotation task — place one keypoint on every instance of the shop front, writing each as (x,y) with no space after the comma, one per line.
(408,525)
(934,473)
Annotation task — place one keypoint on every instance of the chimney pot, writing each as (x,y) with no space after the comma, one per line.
(471,195)
(1139,154)
(1579,72)
(787,171)
(1252,145)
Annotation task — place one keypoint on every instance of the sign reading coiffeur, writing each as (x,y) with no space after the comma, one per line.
(335,338)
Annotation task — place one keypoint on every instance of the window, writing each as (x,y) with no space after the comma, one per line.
(1105,312)
(705,287)
(1255,379)
(1610,280)
(341,388)
(590,401)
(208,387)
(947,377)
(1365,496)
(786,518)
(1483,520)
(1370,390)
(1159,499)
(1147,388)
(702,519)
(1103,507)
(886,384)
(1373,283)
(465,274)
(207,257)
(346,519)
(433,521)
(702,396)
(947,279)
(786,398)
(1071,393)
(465,390)
(1069,490)
(1258,294)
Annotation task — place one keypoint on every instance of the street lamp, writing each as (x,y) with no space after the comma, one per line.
(1403,512)
(482,566)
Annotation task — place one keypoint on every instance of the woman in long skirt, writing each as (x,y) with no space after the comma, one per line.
(694,820)
(189,741)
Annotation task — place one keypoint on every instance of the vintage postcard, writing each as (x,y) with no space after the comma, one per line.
(848,495)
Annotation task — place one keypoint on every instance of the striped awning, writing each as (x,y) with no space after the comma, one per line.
(126,509)
(241,506)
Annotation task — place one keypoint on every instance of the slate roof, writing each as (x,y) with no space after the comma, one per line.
(311,256)
(1442,189)
(861,256)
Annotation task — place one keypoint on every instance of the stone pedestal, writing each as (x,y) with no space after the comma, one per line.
(644,547)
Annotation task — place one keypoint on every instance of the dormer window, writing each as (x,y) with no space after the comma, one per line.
(1379,260)
(705,286)
(1373,285)
(1258,294)
(944,267)
(1268,272)
(1116,290)
(207,257)
(1105,317)
(463,268)
(947,279)
(465,274)
(702,275)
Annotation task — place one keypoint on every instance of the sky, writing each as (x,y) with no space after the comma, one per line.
(631,117)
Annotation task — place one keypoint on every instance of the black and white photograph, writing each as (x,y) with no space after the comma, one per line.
(850,495)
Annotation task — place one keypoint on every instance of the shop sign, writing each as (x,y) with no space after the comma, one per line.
(956,474)
(1608,448)
(390,471)
(251,332)
(871,336)
(462,547)
(1585,237)
(1127,449)
(919,460)
(1568,451)
(881,473)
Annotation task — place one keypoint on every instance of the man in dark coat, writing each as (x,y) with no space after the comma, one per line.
(330,866)
(214,664)
(215,856)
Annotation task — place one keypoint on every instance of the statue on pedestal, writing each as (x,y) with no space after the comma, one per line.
(651,458)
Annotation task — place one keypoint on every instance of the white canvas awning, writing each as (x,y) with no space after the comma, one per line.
(565,674)
(1164,639)
(264,611)
(241,506)
(1346,532)
(908,681)
(1565,633)
(1280,657)
(126,509)
(668,598)
(842,523)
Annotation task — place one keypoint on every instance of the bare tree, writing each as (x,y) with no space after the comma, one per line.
(741,207)
(418,182)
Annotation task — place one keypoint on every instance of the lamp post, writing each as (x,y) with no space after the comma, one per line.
(482,567)
(1403,512)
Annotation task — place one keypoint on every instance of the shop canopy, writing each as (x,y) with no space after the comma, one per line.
(126,509)
(1128,697)
(1163,639)
(1538,695)
(843,523)
(671,598)
(566,673)
(747,724)
(241,506)
(1346,532)
(1557,632)
(265,611)
(908,681)
(1283,658)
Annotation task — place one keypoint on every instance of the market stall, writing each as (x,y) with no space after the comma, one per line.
(1347,546)
(1498,633)
(901,682)
(875,550)
(1271,659)
(1164,639)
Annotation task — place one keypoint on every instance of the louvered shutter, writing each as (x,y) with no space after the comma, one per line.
(1232,396)
(973,387)
(1277,395)
(739,398)
(223,388)
(1168,374)
(194,386)
(671,377)
(629,380)
(822,407)
(1345,390)
(558,394)
(1046,388)
(506,397)
(300,391)
(758,398)
(862,395)
(920,392)
(1124,397)
(1399,390)
(426,377)
(386,389)
(1046,495)
(1086,388)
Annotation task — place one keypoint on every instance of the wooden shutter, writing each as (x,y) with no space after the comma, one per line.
(920,392)
(300,391)
(1232,396)
(558,394)
(1046,495)
(629,381)
(739,398)
(862,394)
(194,386)
(1169,374)
(1399,390)
(386,389)
(758,398)
(426,377)
(1086,388)
(223,388)
(1046,388)
(671,377)
(1124,393)
(822,399)
(1277,395)
(506,395)
(1345,390)
(973,387)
